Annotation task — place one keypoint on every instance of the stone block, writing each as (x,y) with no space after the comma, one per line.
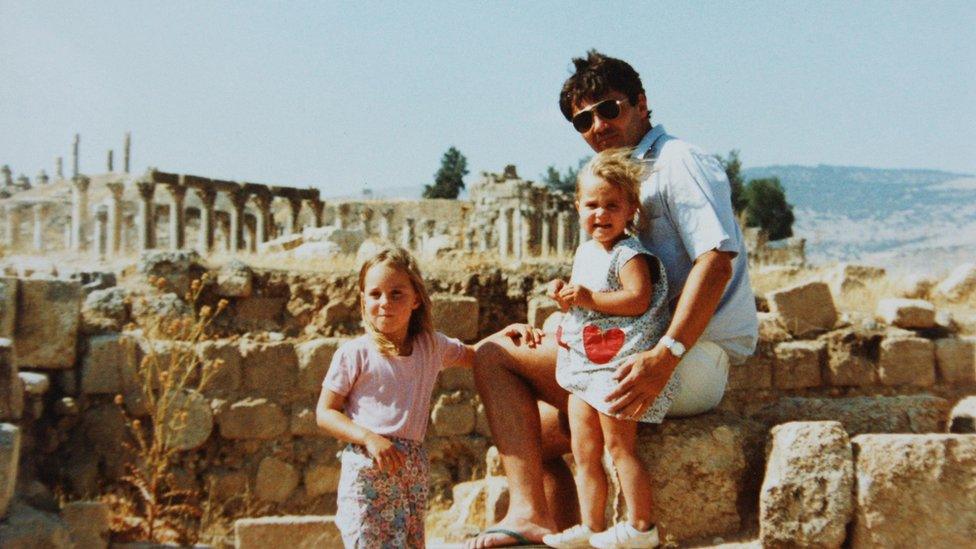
(8,307)
(259,312)
(191,423)
(798,364)
(110,364)
(322,479)
(9,461)
(235,279)
(280,244)
(771,328)
(455,378)
(846,279)
(455,315)
(897,414)
(105,310)
(35,384)
(276,480)
(804,309)
(475,505)
(698,468)
(962,419)
(294,532)
(28,528)
(314,359)
(540,307)
(755,373)
(303,423)
(223,359)
(907,361)
(960,283)
(178,268)
(956,360)
(87,522)
(914,490)
(806,498)
(225,485)
(851,358)
(11,386)
(48,316)
(270,369)
(907,313)
(453,415)
(252,418)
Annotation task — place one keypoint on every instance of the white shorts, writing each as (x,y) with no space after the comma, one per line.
(703,372)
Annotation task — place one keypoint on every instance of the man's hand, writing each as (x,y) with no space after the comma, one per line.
(519,333)
(387,457)
(640,379)
(552,290)
(574,294)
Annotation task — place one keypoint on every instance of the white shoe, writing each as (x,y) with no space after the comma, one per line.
(575,537)
(624,536)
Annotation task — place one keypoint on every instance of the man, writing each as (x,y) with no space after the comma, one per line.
(692,230)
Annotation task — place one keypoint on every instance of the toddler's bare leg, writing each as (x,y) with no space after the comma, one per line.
(635,482)
(591,479)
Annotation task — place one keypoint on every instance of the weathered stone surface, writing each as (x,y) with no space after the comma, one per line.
(455,315)
(960,283)
(235,279)
(105,310)
(298,532)
(191,423)
(252,418)
(223,359)
(227,484)
(258,313)
(162,307)
(907,313)
(270,369)
(177,267)
(303,423)
(897,414)
(771,328)
(11,387)
(109,365)
(8,307)
(851,358)
(346,241)
(755,373)
(276,480)
(9,458)
(322,479)
(846,279)
(956,360)
(798,364)
(475,505)
(963,416)
(804,309)
(314,358)
(453,414)
(907,361)
(280,244)
(27,528)
(48,316)
(455,378)
(87,522)
(807,493)
(35,384)
(915,490)
(540,307)
(697,466)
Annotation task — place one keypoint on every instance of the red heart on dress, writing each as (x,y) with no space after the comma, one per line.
(602,346)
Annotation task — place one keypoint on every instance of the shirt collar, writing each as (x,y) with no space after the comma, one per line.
(645,150)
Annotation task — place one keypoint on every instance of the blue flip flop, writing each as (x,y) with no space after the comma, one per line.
(520,540)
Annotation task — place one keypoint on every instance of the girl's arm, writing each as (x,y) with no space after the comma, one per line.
(331,419)
(631,300)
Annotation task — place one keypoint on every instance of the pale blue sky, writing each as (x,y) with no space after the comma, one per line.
(335,94)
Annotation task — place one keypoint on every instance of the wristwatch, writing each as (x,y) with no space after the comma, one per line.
(676,347)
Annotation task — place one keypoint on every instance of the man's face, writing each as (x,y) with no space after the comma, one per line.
(625,130)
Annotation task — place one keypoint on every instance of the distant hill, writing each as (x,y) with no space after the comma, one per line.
(902,219)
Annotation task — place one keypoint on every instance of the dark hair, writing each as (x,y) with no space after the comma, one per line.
(597,75)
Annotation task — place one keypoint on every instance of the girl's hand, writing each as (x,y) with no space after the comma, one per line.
(575,294)
(524,332)
(553,290)
(387,457)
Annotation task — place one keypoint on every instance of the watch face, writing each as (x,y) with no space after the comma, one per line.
(678,348)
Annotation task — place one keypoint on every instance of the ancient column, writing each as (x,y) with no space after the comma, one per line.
(147,215)
(546,231)
(113,236)
(562,221)
(386,217)
(341,212)
(128,148)
(207,198)
(59,167)
(251,233)
(366,218)
(483,239)
(518,220)
(238,200)
(504,220)
(261,219)
(79,211)
(406,236)
(469,239)
(8,176)
(177,218)
(111,164)
(40,209)
(12,225)
(74,156)
(294,210)
(317,207)
(98,238)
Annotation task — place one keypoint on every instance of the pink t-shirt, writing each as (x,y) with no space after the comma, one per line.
(390,395)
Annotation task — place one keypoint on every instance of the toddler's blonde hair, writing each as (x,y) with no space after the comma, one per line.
(420,319)
(618,168)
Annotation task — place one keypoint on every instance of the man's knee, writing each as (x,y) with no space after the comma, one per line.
(703,372)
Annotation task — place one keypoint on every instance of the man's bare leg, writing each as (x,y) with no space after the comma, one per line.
(557,478)
(511,378)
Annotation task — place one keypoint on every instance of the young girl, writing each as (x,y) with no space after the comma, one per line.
(376,396)
(617,305)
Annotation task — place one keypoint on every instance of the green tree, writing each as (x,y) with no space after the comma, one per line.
(566,181)
(449,179)
(767,208)
(733,168)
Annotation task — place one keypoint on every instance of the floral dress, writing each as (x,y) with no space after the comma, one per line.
(592,345)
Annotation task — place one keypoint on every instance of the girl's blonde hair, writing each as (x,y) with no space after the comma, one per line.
(618,168)
(420,319)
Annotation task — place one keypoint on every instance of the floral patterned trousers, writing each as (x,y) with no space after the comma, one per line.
(379,510)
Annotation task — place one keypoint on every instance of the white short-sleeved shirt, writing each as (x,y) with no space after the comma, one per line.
(390,395)
(687,199)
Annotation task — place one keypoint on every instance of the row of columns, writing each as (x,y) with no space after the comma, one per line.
(514,232)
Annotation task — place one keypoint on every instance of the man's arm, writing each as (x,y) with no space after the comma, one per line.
(643,375)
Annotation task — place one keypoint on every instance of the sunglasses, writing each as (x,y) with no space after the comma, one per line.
(607,109)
